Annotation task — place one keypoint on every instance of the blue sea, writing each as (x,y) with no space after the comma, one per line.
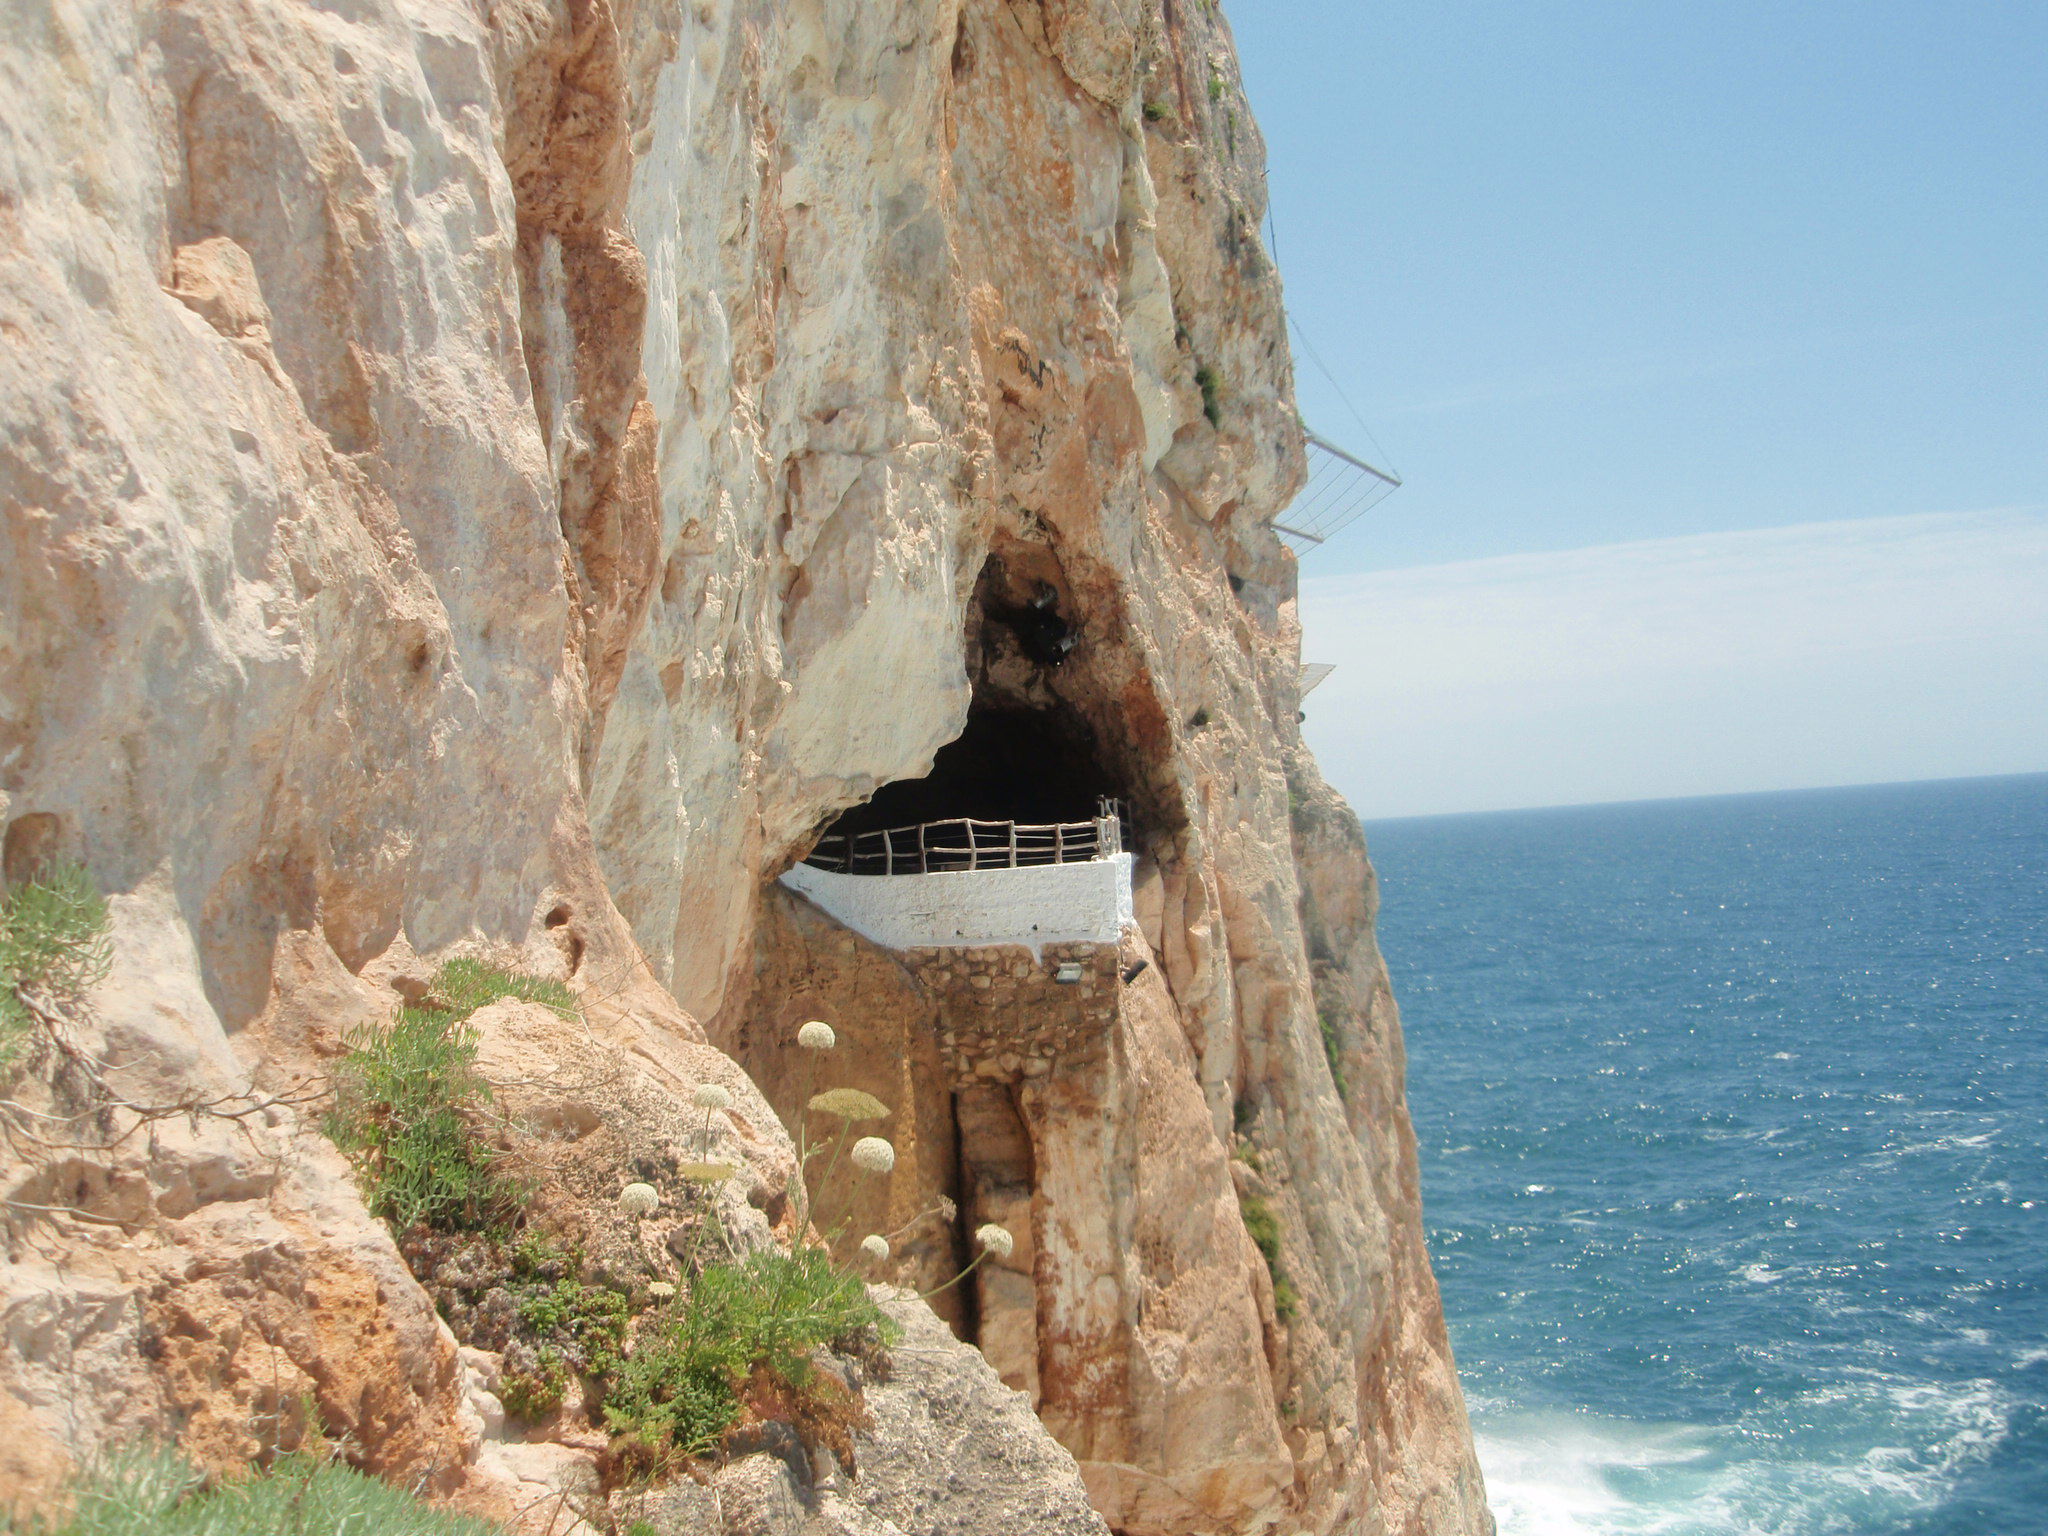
(1734,1128)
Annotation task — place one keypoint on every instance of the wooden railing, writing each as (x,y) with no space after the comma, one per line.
(962,842)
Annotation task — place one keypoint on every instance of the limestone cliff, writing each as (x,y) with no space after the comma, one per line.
(501,477)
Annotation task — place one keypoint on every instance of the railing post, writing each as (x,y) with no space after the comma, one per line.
(1013,845)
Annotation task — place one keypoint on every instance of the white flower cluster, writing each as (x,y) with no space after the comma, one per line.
(875,1246)
(995,1239)
(711,1096)
(873,1154)
(816,1036)
(639,1200)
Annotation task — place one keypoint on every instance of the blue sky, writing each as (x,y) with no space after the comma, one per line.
(1602,273)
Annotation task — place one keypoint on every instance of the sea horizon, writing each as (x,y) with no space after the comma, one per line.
(1369,822)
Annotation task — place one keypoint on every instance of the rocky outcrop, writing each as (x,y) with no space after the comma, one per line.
(500,479)
(950,1450)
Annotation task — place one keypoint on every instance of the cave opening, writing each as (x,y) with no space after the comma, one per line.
(1051,765)
(1010,764)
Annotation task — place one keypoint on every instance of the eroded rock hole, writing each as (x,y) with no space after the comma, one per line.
(31,845)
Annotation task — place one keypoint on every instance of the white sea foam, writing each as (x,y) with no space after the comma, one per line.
(1550,1474)
(1950,1144)
(1876,1449)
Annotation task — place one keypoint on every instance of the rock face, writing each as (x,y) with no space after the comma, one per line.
(501,478)
(951,1451)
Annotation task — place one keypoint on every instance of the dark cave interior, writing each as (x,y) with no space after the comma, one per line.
(1025,765)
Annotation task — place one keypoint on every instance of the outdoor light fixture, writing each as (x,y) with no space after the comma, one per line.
(1067,972)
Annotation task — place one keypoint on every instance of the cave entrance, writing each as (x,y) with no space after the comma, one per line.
(1020,786)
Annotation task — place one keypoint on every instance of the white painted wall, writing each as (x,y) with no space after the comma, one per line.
(1041,904)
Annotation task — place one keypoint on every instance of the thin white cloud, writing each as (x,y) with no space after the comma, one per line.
(1827,653)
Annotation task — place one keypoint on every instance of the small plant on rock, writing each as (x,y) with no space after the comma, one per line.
(408,1100)
(1263,1228)
(156,1492)
(565,1328)
(1333,1052)
(746,1324)
(53,949)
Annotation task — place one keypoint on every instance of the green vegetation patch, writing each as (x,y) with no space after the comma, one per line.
(407,1100)
(1263,1227)
(1210,382)
(760,1318)
(565,1327)
(463,986)
(157,1493)
(53,947)
(1333,1052)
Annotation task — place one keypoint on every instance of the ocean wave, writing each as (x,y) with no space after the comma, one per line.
(1956,1143)
(1553,1474)
(1869,1453)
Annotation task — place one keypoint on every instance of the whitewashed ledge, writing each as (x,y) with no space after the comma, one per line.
(1081,903)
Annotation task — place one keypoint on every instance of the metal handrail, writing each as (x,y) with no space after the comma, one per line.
(1340,487)
(968,843)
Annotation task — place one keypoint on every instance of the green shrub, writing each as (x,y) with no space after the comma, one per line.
(407,1099)
(1211,385)
(53,943)
(534,1394)
(1263,1228)
(1333,1052)
(157,1493)
(1286,1300)
(680,1391)
(565,1328)
(1156,111)
(463,986)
